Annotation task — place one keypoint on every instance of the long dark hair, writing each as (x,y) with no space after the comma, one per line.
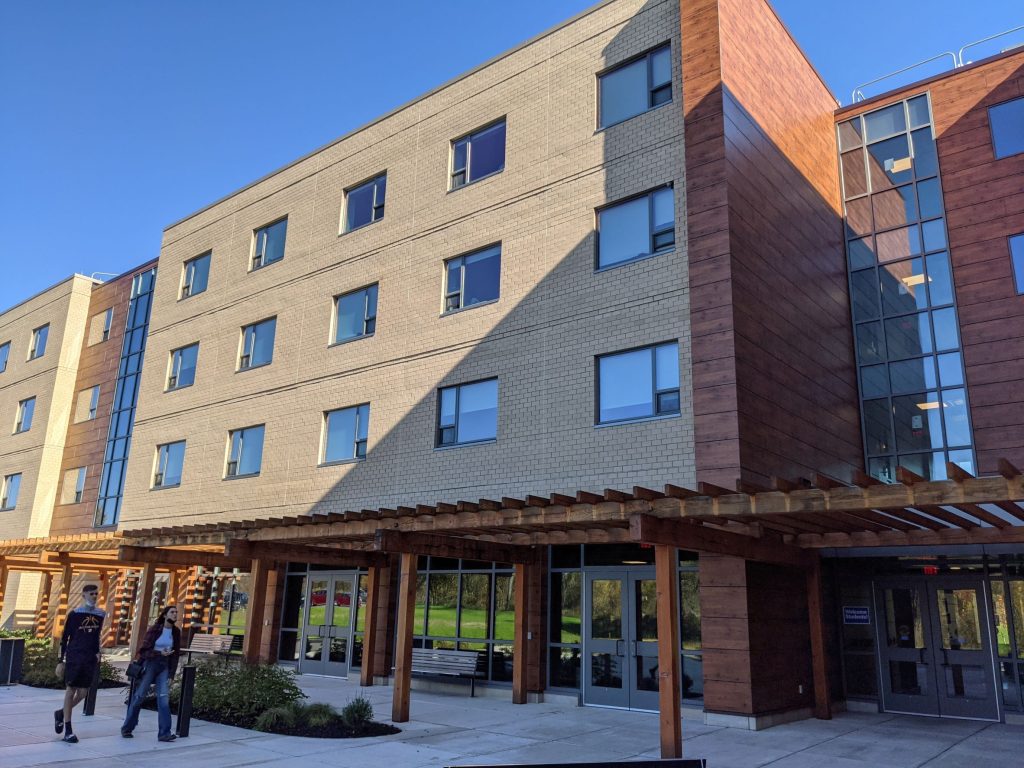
(162,616)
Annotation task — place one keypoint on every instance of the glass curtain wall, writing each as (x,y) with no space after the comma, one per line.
(913,401)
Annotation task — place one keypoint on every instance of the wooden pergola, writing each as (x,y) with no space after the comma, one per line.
(783,525)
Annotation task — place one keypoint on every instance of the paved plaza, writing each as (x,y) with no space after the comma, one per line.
(453,729)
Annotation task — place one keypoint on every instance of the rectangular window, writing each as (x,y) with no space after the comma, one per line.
(99,326)
(257,344)
(5,353)
(355,314)
(638,384)
(38,347)
(9,492)
(467,413)
(26,409)
(345,433)
(1017,259)
(182,370)
(170,458)
(478,155)
(268,243)
(88,404)
(636,86)
(74,486)
(195,274)
(472,279)
(245,451)
(1007,123)
(636,228)
(364,204)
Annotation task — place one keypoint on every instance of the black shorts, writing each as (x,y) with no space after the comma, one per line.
(79,673)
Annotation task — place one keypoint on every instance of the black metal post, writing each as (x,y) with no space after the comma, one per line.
(89,708)
(188,684)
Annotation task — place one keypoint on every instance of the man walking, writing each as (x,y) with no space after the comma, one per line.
(79,657)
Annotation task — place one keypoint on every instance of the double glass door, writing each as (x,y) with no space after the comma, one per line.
(936,648)
(327,628)
(621,639)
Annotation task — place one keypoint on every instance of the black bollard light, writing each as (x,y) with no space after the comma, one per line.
(89,707)
(188,684)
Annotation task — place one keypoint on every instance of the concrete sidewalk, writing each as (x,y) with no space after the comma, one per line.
(453,729)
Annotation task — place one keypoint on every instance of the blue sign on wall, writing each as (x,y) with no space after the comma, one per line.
(856,614)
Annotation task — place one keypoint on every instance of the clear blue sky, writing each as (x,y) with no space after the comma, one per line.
(118,117)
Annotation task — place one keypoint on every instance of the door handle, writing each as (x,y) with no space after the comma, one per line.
(633,642)
(618,652)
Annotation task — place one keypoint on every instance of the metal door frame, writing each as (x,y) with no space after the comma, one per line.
(323,666)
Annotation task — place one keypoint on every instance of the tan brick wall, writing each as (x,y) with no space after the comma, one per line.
(554,314)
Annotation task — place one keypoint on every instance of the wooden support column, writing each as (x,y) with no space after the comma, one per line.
(403,648)
(370,634)
(669,665)
(143,599)
(63,603)
(104,586)
(173,584)
(43,615)
(3,585)
(519,650)
(254,615)
(536,625)
(819,660)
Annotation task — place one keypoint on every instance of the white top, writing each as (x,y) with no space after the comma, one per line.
(165,641)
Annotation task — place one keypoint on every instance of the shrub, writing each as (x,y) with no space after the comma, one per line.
(357,712)
(318,715)
(243,692)
(277,719)
(40,664)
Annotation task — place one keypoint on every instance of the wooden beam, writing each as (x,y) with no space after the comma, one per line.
(43,614)
(984,515)
(371,636)
(686,535)
(254,615)
(403,644)
(299,553)
(669,665)
(819,658)
(1007,470)
(439,545)
(132,555)
(712,490)
(63,602)
(957,473)
(865,481)
(646,493)
(143,599)
(905,476)
(1011,509)
(826,483)
(519,637)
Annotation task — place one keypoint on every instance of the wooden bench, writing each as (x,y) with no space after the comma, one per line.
(210,645)
(436,661)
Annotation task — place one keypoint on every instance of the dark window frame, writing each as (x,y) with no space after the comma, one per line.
(173,374)
(459,294)
(359,446)
(188,275)
(374,206)
(652,89)
(652,231)
(33,348)
(160,465)
(5,490)
(19,418)
(258,259)
(992,128)
(467,138)
(655,392)
(244,362)
(369,321)
(1017,269)
(439,428)
(231,472)
(6,357)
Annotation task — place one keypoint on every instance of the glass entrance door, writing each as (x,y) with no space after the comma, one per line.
(327,630)
(621,640)
(935,648)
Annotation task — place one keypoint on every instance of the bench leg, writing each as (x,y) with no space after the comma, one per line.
(472,687)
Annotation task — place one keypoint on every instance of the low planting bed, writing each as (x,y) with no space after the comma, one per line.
(38,668)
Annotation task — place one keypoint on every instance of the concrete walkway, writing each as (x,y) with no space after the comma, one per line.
(452,729)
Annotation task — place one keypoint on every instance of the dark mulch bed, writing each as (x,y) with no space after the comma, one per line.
(60,686)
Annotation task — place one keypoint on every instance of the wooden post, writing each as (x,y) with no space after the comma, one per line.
(537,625)
(254,613)
(370,634)
(63,603)
(173,584)
(143,599)
(104,586)
(819,661)
(43,615)
(403,648)
(519,651)
(669,671)
(3,585)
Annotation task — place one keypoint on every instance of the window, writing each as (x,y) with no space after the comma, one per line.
(345,434)
(1007,123)
(364,204)
(468,413)
(257,344)
(355,314)
(636,228)
(196,273)
(268,244)
(1017,258)
(638,384)
(26,409)
(74,486)
(99,326)
(478,155)
(636,86)
(472,279)
(88,404)
(182,370)
(38,348)
(169,460)
(9,491)
(245,451)
(5,353)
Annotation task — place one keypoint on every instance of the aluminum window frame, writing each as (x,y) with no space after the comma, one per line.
(655,392)
(468,139)
(369,321)
(244,362)
(439,428)
(5,492)
(992,128)
(79,488)
(378,180)
(188,274)
(358,443)
(228,473)
(5,355)
(40,334)
(28,404)
(174,368)
(651,87)
(446,295)
(1017,261)
(161,460)
(258,255)
(652,231)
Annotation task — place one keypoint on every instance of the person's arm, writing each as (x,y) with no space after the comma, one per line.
(69,630)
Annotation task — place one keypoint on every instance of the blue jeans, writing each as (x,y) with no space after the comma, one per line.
(154,671)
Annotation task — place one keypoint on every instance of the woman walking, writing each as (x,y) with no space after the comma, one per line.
(159,655)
